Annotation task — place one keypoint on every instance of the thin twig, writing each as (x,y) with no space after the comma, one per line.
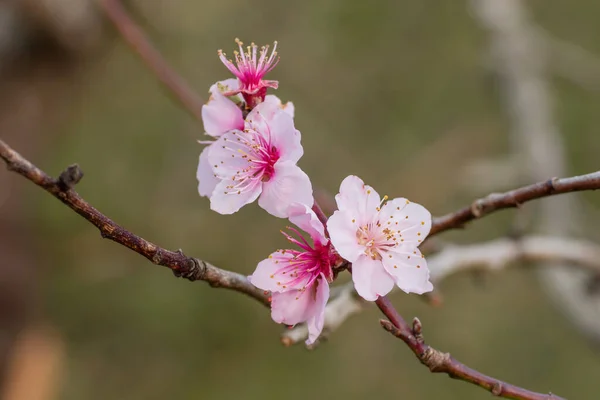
(514,198)
(183,266)
(440,362)
(500,253)
(135,38)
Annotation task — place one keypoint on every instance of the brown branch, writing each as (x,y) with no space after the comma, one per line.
(135,38)
(183,266)
(514,198)
(440,362)
(493,256)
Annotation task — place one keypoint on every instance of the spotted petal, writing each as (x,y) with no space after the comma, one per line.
(360,200)
(342,227)
(409,270)
(276,273)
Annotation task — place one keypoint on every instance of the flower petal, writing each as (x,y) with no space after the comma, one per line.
(370,278)
(226,155)
(342,227)
(221,114)
(295,306)
(277,128)
(289,184)
(226,201)
(205,175)
(227,85)
(305,218)
(412,220)
(285,137)
(316,321)
(361,200)
(287,107)
(409,270)
(271,273)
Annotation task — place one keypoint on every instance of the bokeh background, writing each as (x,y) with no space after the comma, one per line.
(400,93)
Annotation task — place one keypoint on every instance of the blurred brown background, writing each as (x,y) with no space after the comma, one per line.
(402,93)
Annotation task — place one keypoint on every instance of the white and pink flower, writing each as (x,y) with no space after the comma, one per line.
(260,160)
(380,239)
(250,67)
(223,114)
(299,279)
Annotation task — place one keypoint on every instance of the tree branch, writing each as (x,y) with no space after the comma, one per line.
(501,253)
(135,38)
(439,362)
(183,266)
(493,255)
(514,198)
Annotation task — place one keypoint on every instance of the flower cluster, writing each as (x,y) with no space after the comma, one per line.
(252,154)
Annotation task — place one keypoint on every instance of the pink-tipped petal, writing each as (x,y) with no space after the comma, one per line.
(289,184)
(228,200)
(342,227)
(316,321)
(285,137)
(294,306)
(205,175)
(370,278)
(357,198)
(277,127)
(273,274)
(305,218)
(221,114)
(409,270)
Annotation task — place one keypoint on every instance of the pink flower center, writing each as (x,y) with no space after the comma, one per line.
(304,267)
(254,159)
(251,65)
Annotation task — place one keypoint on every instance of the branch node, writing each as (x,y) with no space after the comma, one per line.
(435,360)
(195,271)
(550,185)
(477,208)
(157,257)
(497,389)
(70,177)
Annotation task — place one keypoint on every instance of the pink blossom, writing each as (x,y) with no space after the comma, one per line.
(260,160)
(250,67)
(221,114)
(299,279)
(380,239)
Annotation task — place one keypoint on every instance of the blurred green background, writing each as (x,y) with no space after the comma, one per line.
(395,92)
